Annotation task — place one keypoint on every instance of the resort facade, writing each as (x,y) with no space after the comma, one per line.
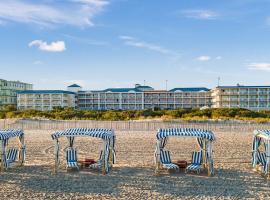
(8,92)
(249,97)
(45,99)
(143,97)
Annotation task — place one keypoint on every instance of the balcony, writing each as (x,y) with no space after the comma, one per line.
(253,93)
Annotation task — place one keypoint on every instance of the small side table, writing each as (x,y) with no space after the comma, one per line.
(182,164)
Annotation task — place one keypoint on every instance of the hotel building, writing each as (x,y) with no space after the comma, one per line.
(45,99)
(249,97)
(8,92)
(143,97)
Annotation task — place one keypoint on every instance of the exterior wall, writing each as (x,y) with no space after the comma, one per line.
(253,98)
(45,101)
(142,100)
(110,100)
(176,100)
(8,91)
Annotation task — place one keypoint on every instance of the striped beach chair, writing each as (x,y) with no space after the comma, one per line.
(196,163)
(11,156)
(166,162)
(71,158)
(98,163)
(262,160)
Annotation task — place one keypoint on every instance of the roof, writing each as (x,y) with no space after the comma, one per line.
(186,132)
(153,91)
(74,85)
(121,90)
(190,89)
(143,86)
(96,132)
(263,134)
(244,86)
(9,133)
(45,92)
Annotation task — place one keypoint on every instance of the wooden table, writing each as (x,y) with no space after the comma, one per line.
(182,164)
(84,163)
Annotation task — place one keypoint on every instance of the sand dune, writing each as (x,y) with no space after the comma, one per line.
(133,175)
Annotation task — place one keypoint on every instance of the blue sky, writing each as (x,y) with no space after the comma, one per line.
(117,43)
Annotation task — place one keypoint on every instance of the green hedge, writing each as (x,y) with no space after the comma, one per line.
(185,114)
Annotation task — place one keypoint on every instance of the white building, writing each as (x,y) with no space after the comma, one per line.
(45,99)
(143,97)
(249,97)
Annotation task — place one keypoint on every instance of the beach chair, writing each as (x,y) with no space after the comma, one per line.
(166,162)
(98,163)
(71,159)
(196,163)
(262,159)
(11,156)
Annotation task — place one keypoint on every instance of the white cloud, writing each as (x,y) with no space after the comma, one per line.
(259,66)
(203,58)
(70,12)
(126,37)
(131,41)
(93,2)
(218,58)
(200,14)
(57,46)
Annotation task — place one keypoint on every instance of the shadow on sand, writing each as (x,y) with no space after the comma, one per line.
(226,183)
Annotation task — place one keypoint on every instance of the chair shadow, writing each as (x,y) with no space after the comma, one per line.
(225,183)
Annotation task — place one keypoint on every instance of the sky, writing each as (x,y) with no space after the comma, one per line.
(101,44)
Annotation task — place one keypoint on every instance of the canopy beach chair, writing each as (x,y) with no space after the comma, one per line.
(261,160)
(107,154)
(200,160)
(9,155)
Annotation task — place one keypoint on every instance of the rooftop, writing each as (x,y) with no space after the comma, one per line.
(190,89)
(121,90)
(244,86)
(74,85)
(45,92)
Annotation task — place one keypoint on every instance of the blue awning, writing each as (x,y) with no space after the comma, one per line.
(9,133)
(199,133)
(263,134)
(96,132)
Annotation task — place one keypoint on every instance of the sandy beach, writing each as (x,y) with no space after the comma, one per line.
(133,176)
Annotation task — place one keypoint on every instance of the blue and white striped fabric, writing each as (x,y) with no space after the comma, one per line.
(255,145)
(261,136)
(199,133)
(9,133)
(262,158)
(263,133)
(165,160)
(196,162)
(11,156)
(107,135)
(72,158)
(96,132)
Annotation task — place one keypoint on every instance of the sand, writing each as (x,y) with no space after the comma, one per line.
(133,176)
